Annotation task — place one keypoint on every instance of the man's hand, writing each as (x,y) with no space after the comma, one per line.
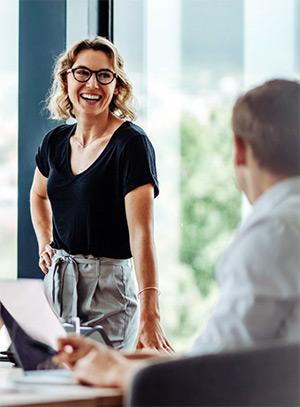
(72,349)
(96,364)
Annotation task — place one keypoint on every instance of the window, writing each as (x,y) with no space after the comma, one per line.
(188,60)
(9,10)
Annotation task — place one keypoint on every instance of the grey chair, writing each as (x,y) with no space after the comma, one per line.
(264,376)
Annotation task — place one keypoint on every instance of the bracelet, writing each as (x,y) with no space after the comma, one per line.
(149,288)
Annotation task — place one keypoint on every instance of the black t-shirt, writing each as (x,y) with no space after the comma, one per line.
(88,209)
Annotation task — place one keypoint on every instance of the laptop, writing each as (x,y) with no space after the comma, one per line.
(34,327)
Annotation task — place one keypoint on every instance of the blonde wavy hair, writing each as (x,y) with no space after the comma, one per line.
(58,102)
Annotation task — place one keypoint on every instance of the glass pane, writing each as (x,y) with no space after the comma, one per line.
(9,10)
(188,60)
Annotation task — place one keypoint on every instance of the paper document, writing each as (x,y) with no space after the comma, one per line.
(26,301)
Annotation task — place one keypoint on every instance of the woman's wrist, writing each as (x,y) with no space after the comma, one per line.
(148,296)
(43,245)
(145,290)
(149,313)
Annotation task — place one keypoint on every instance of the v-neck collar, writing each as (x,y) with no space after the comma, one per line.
(100,156)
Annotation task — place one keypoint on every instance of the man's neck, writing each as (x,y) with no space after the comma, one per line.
(260,181)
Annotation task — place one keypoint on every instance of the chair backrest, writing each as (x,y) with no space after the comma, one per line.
(264,376)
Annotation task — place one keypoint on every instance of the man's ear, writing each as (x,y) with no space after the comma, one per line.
(240,149)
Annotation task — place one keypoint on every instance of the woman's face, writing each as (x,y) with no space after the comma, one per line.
(91,97)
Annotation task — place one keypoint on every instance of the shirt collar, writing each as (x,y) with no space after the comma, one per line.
(274,195)
(271,198)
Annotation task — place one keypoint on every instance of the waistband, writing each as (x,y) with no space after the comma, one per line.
(90,259)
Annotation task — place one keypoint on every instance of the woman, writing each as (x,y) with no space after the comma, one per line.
(92,200)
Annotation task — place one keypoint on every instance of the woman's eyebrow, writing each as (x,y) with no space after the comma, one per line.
(81,66)
(98,70)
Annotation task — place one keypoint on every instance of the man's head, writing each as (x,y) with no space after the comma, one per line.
(266,122)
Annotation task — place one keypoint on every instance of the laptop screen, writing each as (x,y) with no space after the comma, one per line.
(29,353)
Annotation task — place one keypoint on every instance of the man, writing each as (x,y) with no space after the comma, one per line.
(258,274)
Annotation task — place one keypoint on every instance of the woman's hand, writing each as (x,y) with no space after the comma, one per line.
(151,336)
(45,259)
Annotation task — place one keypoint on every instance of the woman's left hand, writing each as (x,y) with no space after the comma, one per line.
(151,336)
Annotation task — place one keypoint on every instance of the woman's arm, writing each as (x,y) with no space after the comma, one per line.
(139,213)
(41,216)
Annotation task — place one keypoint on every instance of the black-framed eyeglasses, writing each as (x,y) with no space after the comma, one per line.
(83,74)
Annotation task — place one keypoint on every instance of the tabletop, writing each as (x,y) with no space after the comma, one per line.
(13,393)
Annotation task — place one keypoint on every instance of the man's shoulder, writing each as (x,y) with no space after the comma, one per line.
(266,231)
(264,256)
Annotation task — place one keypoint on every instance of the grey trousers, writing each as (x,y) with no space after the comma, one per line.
(100,291)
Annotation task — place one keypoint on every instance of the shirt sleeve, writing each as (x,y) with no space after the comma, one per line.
(139,165)
(41,157)
(259,289)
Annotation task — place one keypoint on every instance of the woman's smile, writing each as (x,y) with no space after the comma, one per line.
(91,97)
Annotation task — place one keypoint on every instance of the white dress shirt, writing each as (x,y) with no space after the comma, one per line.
(258,276)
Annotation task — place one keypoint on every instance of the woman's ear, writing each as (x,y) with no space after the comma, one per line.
(240,148)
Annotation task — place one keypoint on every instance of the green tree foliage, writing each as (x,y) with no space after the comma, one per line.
(210,200)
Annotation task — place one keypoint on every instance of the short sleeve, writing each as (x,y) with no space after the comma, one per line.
(139,164)
(41,157)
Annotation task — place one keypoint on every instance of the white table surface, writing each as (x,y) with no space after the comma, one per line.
(21,394)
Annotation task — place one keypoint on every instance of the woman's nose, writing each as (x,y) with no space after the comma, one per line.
(92,82)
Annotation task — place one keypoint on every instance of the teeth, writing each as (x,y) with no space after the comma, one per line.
(91,97)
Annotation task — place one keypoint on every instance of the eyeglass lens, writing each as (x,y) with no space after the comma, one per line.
(83,74)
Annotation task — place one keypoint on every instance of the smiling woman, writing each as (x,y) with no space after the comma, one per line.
(92,200)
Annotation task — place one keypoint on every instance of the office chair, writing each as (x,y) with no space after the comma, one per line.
(264,376)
